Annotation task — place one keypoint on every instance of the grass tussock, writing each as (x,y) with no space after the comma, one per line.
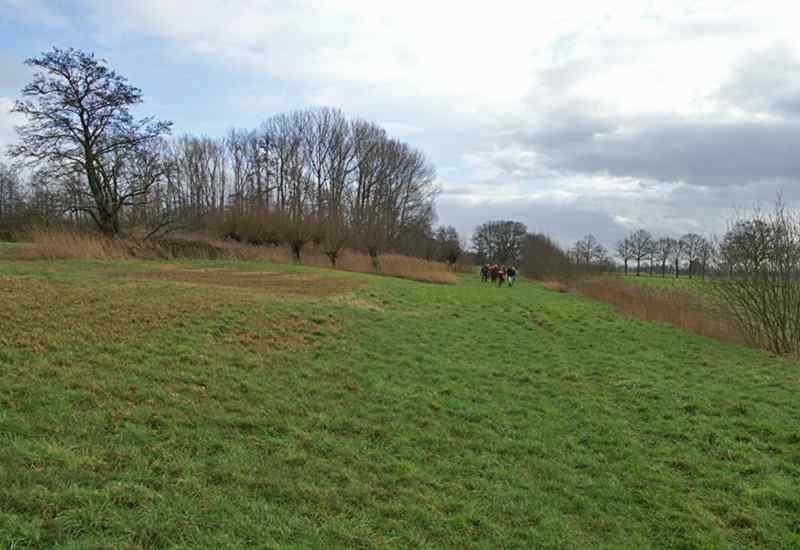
(673,306)
(49,244)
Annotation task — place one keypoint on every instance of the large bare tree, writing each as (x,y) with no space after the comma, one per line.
(79,128)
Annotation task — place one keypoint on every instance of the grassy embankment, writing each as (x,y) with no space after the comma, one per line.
(203,404)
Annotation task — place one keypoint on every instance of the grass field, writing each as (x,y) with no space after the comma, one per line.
(191,404)
(695,283)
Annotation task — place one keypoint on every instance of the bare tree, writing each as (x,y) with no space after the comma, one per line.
(705,255)
(501,240)
(677,255)
(625,252)
(334,236)
(763,293)
(79,123)
(448,245)
(692,248)
(663,250)
(589,251)
(641,243)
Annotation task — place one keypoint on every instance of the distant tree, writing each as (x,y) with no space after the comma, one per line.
(589,251)
(678,251)
(500,241)
(543,259)
(625,252)
(746,243)
(641,243)
(692,249)
(664,249)
(10,191)
(448,245)
(79,128)
(705,255)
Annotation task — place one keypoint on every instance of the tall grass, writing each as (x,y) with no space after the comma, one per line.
(50,244)
(673,306)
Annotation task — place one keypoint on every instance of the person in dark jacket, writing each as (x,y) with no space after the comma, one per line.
(511,273)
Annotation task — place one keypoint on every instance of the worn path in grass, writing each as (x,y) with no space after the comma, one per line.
(217,405)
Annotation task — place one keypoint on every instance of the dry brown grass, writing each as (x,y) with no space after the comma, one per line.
(284,284)
(48,244)
(676,306)
(556,286)
(406,267)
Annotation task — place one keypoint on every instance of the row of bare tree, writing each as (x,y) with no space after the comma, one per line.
(691,251)
(310,175)
(755,267)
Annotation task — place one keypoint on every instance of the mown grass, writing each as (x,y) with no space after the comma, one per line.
(218,404)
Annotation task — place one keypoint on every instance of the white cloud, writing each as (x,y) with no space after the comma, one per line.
(623,112)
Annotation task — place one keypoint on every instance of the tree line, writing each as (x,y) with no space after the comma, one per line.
(305,176)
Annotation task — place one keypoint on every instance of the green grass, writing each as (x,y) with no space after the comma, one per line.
(668,282)
(9,247)
(220,405)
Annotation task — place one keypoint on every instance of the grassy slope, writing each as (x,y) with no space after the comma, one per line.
(187,405)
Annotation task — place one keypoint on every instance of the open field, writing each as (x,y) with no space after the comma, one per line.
(668,282)
(220,404)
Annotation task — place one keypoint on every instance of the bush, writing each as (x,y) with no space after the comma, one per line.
(761,293)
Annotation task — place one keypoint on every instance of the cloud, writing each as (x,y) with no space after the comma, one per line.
(766,82)
(673,148)
(573,116)
(7,123)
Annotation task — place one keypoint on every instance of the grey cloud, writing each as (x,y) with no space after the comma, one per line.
(697,152)
(565,221)
(766,81)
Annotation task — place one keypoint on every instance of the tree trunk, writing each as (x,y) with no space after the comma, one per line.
(296,248)
(638,263)
(373,254)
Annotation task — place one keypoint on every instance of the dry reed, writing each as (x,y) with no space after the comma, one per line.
(50,244)
(677,307)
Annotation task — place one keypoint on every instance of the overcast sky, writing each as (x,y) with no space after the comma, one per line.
(567,117)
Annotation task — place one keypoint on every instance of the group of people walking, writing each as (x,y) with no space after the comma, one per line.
(498,274)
